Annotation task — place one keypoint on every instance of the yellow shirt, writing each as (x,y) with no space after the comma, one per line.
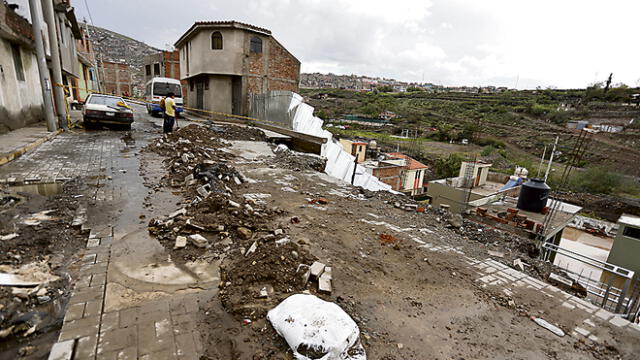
(169,107)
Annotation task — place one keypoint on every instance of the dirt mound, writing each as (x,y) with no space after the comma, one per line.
(603,206)
(297,161)
(254,283)
(233,132)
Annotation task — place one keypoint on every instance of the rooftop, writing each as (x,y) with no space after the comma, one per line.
(220,23)
(628,219)
(412,164)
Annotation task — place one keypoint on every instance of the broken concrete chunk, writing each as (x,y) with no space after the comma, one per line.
(554,329)
(519,264)
(182,211)
(185,158)
(278,232)
(499,254)
(324,284)
(202,191)
(234,204)
(237,181)
(263,292)
(188,178)
(252,249)
(181,241)
(198,240)
(317,268)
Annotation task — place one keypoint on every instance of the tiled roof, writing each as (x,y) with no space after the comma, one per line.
(412,164)
(223,23)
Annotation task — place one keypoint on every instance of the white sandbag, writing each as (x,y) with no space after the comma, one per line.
(308,322)
(281,148)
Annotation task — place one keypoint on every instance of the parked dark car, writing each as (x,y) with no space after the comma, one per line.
(107,110)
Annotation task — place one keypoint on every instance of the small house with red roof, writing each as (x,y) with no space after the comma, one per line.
(402,172)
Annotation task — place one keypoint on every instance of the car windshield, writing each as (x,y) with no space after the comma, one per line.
(163,89)
(105,100)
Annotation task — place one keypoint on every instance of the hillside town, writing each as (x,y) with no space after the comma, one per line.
(210,200)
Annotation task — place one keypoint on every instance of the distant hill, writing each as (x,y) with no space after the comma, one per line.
(114,47)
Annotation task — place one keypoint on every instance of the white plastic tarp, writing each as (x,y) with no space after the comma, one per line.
(308,322)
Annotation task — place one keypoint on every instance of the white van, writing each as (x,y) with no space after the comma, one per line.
(159,87)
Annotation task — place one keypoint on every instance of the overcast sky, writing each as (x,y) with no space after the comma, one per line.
(562,43)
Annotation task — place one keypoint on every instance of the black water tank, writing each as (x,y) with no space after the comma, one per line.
(533,195)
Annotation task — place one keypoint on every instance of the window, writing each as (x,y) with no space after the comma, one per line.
(147,69)
(156,69)
(61,23)
(256,45)
(163,89)
(191,84)
(17,62)
(216,41)
(206,83)
(631,232)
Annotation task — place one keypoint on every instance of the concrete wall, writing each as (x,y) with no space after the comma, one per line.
(444,194)
(409,182)
(273,69)
(625,251)
(67,43)
(204,60)
(20,101)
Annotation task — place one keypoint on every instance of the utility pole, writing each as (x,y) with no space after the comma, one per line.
(45,82)
(58,91)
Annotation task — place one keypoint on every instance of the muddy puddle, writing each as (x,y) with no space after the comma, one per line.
(44,189)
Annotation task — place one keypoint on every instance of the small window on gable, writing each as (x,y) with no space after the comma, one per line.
(216,41)
(256,45)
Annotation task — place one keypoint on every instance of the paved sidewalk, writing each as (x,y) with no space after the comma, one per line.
(15,143)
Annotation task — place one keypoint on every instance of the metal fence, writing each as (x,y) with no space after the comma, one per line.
(272,106)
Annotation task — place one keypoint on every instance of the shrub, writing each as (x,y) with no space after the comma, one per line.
(449,167)
(488,150)
(596,180)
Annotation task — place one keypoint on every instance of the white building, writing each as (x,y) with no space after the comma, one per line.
(20,92)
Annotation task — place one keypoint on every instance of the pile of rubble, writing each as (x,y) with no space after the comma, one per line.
(288,159)
(256,278)
(233,132)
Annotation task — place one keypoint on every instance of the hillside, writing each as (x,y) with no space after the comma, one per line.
(506,129)
(114,47)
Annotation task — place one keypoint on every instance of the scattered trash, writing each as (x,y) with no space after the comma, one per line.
(182,211)
(9,236)
(28,275)
(317,329)
(295,220)
(388,239)
(252,249)
(246,322)
(244,233)
(545,324)
(280,148)
(321,201)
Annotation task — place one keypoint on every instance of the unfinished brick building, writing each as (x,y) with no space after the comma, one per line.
(224,62)
(164,64)
(116,78)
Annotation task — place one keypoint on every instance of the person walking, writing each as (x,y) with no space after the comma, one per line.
(169,113)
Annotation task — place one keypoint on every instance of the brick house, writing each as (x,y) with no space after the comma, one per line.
(225,62)
(116,78)
(164,64)
(402,172)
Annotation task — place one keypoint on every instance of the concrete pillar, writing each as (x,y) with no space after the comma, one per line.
(58,91)
(45,81)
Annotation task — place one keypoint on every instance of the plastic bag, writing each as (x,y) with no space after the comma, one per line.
(317,329)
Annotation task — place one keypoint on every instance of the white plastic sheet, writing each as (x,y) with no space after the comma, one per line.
(308,322)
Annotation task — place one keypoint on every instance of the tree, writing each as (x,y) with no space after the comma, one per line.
(449,167)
